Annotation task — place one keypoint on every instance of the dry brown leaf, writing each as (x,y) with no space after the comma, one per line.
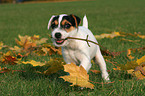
(137,68)
(139,74)
(128,65)
(55,64)
(4,70)
(140,68)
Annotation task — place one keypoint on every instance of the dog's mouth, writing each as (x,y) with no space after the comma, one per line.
(59,41)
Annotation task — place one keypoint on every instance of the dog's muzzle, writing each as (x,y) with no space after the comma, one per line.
(58,39)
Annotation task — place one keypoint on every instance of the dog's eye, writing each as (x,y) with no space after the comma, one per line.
(67,26)
(53,26)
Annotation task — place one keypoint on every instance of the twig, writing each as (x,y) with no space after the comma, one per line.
(112,91)
(111,62)
(106,51)
(87,41)
(110,53)
(84,40)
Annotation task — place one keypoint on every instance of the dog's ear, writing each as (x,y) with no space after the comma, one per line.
(77,20)
(49,23)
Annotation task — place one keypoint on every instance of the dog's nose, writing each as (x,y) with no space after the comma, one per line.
(58,35)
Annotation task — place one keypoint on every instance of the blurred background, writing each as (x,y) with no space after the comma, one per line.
(23,1)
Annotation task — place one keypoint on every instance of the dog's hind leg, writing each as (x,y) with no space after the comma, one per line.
(100,60)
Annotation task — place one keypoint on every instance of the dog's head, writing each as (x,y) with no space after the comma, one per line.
(63,26)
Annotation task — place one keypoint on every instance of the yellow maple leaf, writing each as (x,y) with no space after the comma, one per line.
(34,63)
(78,76)
(112,35)
(23,40)
(141,60)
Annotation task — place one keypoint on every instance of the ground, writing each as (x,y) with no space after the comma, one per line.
(103,16)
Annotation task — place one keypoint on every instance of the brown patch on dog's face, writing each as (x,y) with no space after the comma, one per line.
(54,24)
(68,23)
(67,26)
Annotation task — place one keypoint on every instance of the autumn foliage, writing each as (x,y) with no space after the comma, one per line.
(34,45)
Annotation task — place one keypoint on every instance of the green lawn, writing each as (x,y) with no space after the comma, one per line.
(104,16)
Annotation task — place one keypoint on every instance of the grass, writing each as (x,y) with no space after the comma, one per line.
(103,16)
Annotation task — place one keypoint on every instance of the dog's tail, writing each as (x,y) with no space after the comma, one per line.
(85,21)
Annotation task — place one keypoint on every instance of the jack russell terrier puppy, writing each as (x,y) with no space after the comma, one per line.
(76,51)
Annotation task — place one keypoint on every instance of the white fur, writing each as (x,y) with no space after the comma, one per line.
(85,21)
(78,52)
(49,23)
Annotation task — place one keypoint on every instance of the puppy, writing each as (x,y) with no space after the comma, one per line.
(76,51)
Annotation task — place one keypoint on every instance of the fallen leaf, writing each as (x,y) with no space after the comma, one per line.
(118,68)
(35,37)
(1,45)
(128,65)
(23,40)
(141,60)
(34,63)
(140,68)
(112,35)
(133,41)
(141,36)
(16,48)
(136,68)
(43,40)
(130,71)
(8,58)
(4,70)
(47,48)
(54,64)
(139,74)
(129,54)
(78,76)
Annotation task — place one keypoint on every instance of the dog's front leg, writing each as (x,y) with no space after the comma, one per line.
(66,56)
(86,63)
